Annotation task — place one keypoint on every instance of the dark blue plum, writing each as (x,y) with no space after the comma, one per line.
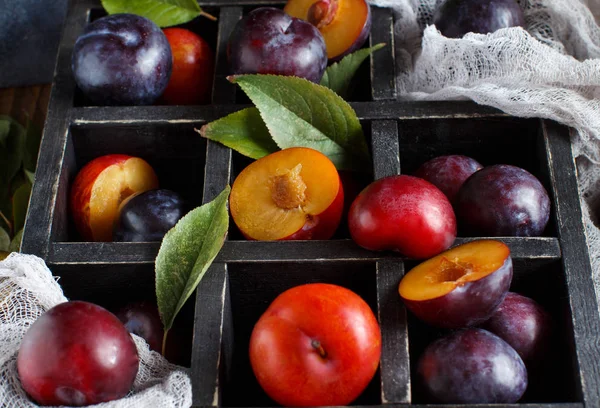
(143,319)
(502,200)
(148,216)
(269,41)
(472,366)
(448,173)
(455,18)
(122,59)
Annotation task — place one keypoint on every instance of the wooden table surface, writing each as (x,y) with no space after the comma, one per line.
(26,102)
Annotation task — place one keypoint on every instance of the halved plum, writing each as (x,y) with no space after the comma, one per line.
(460,287)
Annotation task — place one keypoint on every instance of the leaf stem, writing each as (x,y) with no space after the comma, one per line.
(209,16)
(164,344)
(8,223)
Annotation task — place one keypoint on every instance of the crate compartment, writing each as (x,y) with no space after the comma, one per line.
(204,27)
(253,286)
(114,286)
(505,140)
(543,281)
(174,151)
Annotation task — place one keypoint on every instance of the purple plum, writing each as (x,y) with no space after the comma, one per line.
(455,18)
(142,319)
(472,366)
(269,41)
(502,200)
(448,173)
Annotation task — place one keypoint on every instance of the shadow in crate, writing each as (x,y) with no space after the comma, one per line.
(514,141)
(252,289)
(174,151)
(115,286)
(203,27)
(556,381)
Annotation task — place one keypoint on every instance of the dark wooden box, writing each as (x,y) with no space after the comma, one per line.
(215,325)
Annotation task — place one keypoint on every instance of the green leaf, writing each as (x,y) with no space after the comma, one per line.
(164,13)
(298,112)
(30,176)
(20,202)
(33,137)
(186,252)
(244,131)
(4,240)
(12,149)
(338,75)
(15,244)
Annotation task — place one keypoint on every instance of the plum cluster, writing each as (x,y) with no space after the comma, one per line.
(498,335)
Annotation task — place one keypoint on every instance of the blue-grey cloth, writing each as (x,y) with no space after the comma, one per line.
(30,31)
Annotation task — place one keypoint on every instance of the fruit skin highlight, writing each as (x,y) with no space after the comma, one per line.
(77,353)
(344,24)
(460,287)
(292,194)
(100,187)
(317,344)
(269,41)
(405,214)
(472,366)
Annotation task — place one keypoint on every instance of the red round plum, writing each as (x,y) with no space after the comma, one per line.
(524,324)
(122,59)
(143,319)
(448,173)
(77,353)
(269,41)
(405,214)
(472,366)
(502,200)
(455,18)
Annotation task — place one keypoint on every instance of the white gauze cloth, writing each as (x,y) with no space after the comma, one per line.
(548,69)
(28,290)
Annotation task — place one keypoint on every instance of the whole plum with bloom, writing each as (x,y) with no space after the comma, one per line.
(524,324)
(143,319)
(455,18)
(405,214)
(472,366)
(149,215)
(193,68)
(316,344)
(77,353)
(448,173)
(502,200)
(122,59)
(269,41)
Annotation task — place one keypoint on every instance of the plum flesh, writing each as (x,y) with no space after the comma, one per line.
(448,173)
(122,59)
(472,366)
(502,200)
(269,41)
(455,18)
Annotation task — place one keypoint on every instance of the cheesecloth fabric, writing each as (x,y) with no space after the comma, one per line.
(28,290)
(548,69)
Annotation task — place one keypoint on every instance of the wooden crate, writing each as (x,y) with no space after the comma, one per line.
(214,327)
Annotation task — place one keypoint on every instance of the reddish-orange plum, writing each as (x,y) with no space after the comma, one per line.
(460,287)
(405,214)
(193,66)
(316,345)
(295,193)
(100,187)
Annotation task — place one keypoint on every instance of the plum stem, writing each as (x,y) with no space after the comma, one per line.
(164,343)
(8,223)
(319,348)
(209,16)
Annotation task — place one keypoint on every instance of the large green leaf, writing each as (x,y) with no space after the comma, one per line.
(15,244)
(244,131)
(20,202)
(185,254)
(164,13)
(4,240)
(12,150)
(338,75)
(298,112)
